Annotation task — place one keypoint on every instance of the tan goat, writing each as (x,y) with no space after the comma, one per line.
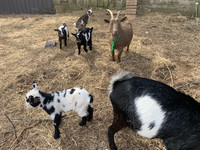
(122,33)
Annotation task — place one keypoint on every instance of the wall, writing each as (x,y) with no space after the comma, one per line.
(71,5)
(169,6)
(144,6)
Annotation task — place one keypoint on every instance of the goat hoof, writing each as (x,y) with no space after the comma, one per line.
(89,118)
(82,123)
(56,136)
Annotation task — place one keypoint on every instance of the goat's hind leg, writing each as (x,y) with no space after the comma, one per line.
(119,122)
(90,113)
(83,114)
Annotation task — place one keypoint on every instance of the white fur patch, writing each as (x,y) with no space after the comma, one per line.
(66,29)
(149,112)
(87,36)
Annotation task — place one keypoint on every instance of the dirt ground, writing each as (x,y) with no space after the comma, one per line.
(164,47)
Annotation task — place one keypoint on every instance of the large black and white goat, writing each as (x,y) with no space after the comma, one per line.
(82,21)
(154,110)
(56,103)
(63,34)
(84,38)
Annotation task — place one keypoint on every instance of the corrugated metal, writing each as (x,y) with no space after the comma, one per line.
(26,7)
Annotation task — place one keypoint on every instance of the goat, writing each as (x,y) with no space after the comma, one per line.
(154,110)
(55,103)
(63,34)
(82,21)
(84,38)
(122,33)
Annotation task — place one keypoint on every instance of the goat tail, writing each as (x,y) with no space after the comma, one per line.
(118,77)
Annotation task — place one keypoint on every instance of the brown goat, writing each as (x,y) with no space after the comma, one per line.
(122,33)
(82,21)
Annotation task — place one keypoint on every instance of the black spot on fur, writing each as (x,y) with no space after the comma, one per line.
(58,93)
(63,105)
(58,100)
(49,111)
(72,91)
(48,97)
(91,98)
(79,93)
(65,94)
(151,125)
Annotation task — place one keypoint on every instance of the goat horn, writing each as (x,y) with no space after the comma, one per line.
(111,14)
(118,14)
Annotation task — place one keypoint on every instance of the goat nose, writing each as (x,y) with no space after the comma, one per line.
(115,32)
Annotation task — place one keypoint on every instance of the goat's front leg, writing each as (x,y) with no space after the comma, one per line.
(83,114)
(56,122)
(85,47)
(127,48)
(113,55)
(79,48)
(120,50)
(60,41)
(65,41)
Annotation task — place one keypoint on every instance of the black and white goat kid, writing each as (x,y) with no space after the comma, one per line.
(154,110)
(84,38)
(56,103)
(63,34)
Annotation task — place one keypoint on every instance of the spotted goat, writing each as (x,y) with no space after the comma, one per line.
(56,103)
(82,21)
(63,34)
(84,38)
(154,110)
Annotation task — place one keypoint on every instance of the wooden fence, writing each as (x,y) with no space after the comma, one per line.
(70,5)
(26,6)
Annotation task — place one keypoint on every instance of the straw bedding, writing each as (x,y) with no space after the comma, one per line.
(164,47)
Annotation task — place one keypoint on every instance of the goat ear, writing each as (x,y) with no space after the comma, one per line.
(107,21)
(34,85)
(123,19)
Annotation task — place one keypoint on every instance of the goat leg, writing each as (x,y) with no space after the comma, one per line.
(119,122)
(65,41)
(60,43)
(113,55)
(57,121)
(120,50)
(83,122)
(85,47)
(127,48)
(79,49)
(90,113)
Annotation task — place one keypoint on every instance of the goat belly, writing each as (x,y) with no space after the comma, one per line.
(150,114)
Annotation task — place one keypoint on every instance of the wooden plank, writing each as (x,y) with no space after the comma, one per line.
(131,7)
(131,3)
